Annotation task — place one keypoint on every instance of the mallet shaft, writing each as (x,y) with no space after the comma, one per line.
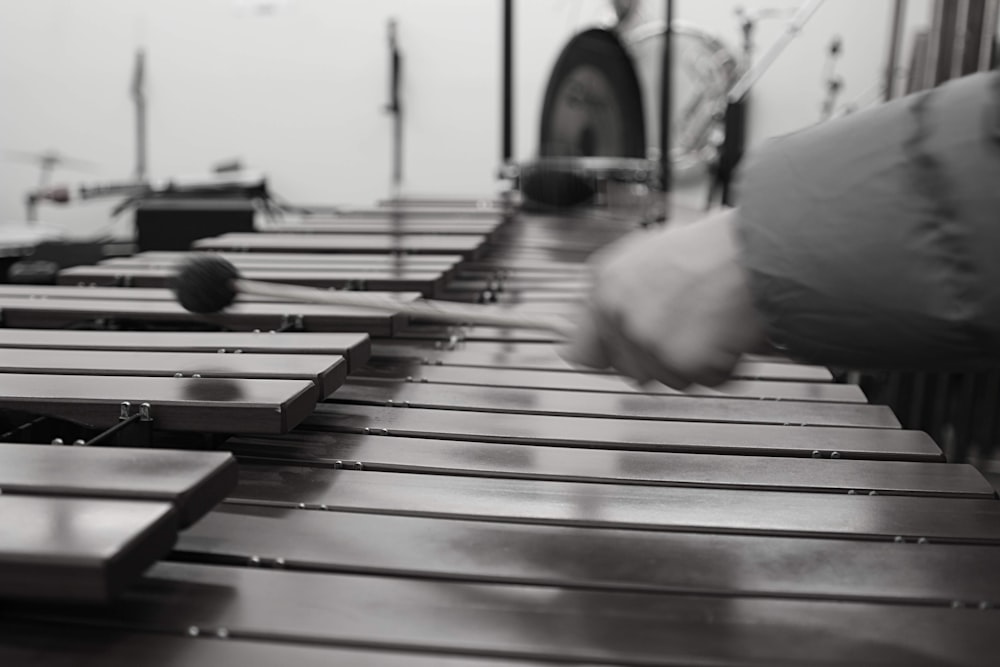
(434,310)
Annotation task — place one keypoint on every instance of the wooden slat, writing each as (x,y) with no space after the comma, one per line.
(513,266)
(317,260)
(571,557)
(522,287)
(522,271)
(440,334)
(419,212)
(719,511)
(424,282)
(178,404)
(383,226)
(544,356)
(467,246)
(541,622)
(457,457)
(64,645)
(556,302)
(354,346)
(139,293)
(193,482)
(61,313)
(327,373)
(78,549)
(607,383)
(409,202)
(695,437)
(490,398)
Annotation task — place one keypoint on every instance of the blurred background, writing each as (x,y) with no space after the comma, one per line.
(298,88)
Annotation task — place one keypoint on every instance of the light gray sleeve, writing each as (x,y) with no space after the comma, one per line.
(873,241)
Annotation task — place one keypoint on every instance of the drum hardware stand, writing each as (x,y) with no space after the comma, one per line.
(507,96)
(731,151)
(47,162)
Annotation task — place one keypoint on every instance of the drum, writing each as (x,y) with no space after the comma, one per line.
(600,116)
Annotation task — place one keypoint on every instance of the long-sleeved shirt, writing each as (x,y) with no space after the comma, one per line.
(874,240)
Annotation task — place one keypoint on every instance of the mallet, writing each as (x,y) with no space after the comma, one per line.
(208,284)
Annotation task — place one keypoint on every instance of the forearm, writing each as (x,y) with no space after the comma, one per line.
(875,240)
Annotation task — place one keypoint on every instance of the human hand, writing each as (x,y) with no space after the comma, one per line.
(671,305)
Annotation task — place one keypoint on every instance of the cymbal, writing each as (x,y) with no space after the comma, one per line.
(49,158)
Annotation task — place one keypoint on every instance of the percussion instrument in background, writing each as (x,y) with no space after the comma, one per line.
(427,493)
(599,127)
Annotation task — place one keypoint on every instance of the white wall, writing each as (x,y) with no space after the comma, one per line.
(298,92)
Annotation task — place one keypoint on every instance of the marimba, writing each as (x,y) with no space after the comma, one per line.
(417,494)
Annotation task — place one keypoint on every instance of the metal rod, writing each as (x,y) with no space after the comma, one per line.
(507,115)
(666,84)
(792,28)
(898,15)
(423,308)
(104,435)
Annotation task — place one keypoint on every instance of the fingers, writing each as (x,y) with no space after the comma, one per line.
(601,342)
(586,347)
(671,306)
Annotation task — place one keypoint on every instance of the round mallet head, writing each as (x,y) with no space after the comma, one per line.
(204,284)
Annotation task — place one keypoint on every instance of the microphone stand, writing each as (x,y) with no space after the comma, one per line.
(138,91)
(395,108)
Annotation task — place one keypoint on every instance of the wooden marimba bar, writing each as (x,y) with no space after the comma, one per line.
(462,496)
